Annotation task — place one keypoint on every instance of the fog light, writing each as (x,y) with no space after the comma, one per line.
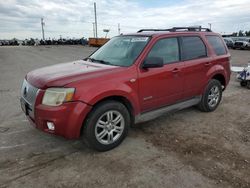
(51,126)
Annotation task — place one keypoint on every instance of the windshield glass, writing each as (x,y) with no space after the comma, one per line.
(120,51)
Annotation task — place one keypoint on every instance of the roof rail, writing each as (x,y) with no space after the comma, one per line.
(142,30)
(174,29)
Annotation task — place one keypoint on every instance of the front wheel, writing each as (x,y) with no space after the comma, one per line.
(211,97)
(107,125)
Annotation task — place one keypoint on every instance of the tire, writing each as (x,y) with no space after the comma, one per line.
(108,120)
(248,84)
(211,97)
(243,83)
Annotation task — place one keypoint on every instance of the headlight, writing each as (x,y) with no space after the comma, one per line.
(56,96)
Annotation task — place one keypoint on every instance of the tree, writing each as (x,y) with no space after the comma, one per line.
(241,34)
(247,33)
(234,34)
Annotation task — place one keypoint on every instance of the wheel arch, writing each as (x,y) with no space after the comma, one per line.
(221,78)
(218,72)
(119,98)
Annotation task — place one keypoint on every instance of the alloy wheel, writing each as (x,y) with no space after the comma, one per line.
(109,127)
(213,96)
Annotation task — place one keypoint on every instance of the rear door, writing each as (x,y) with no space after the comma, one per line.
(196,63)
(162,86)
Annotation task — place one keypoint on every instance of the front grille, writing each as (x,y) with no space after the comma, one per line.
(28,94)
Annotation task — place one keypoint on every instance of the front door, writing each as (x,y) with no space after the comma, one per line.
(162,86)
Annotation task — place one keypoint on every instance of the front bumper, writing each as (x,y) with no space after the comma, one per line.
(68,118)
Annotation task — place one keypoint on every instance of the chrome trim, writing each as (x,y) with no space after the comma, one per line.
(28,95)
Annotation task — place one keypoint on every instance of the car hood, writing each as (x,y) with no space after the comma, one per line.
(62,74)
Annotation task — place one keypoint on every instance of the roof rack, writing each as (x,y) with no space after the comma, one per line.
(174,29)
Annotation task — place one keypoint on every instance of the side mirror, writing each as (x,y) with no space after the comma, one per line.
(152,62)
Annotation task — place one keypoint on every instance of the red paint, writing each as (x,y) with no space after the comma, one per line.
(95,82)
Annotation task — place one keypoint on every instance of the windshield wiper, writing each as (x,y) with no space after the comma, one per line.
(102,61)
(88,58)
(98,61)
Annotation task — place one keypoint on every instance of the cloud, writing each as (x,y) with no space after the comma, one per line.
(74,18)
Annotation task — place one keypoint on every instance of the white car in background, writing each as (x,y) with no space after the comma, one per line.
(243,75)
(242,43)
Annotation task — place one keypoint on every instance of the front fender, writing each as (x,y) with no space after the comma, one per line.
(130,96)
(93,93)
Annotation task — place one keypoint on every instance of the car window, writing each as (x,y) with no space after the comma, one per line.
(120,51)
(217,45)
(192,48)
(167,49)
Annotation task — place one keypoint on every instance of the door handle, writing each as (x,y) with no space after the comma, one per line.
(207,64)
(175,70)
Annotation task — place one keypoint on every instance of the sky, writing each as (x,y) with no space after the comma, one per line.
(73,18)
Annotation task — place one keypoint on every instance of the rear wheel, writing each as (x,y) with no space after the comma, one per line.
(107,125)
(211,97)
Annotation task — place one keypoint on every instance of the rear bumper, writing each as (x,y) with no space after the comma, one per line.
(67,118)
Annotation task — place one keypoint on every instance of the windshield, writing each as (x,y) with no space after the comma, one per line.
(120,51)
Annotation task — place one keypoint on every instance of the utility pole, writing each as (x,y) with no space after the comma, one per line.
(43,24)
(210,26)
(93,29)
(95,20)
(119,29)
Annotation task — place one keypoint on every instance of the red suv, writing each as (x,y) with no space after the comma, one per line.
(132,78)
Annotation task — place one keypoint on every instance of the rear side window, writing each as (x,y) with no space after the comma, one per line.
(192,48)
(217,45)
(167,49)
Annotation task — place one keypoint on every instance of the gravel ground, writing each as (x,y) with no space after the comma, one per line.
(184,149)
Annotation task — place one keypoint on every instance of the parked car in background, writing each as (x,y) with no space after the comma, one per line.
(35,42)
(131,79)
(242,43)
(4,43)
(229,42)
